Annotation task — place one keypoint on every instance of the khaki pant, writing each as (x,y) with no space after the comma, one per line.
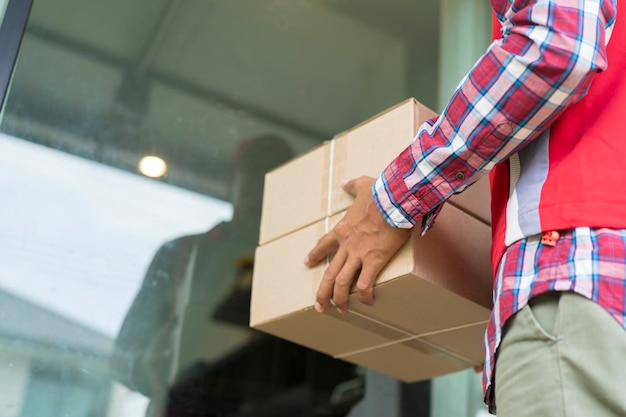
(562,356)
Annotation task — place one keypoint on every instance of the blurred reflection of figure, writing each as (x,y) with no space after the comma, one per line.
(193,304)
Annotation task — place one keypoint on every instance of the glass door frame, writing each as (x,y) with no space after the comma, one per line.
(11,34)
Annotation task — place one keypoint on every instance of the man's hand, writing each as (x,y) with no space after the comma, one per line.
(363,241)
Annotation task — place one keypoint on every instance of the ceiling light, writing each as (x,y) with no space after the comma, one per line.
(152,166)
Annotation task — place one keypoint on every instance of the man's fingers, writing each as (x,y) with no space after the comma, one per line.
(327,286)
(343,283)
(365,284)
(362,235)
(325,246)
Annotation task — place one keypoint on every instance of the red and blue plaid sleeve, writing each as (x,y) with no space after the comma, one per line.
(545,61)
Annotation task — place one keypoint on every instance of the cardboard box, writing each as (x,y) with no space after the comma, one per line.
(475,201)
(295,194)
(432,300)
(367,148)
(308,188)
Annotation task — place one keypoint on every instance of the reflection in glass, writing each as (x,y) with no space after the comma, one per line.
(186,343)
(72,256)
(152,166)
(122,295)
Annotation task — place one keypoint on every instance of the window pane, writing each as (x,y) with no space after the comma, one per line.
(125,285)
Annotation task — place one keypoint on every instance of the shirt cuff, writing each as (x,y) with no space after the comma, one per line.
(395,216)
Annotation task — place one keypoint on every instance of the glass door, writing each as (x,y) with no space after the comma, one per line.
(133,145)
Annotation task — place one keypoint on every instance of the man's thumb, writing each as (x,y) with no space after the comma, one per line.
(354,186)
(349,186)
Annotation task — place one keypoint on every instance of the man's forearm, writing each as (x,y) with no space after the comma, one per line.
(545,62)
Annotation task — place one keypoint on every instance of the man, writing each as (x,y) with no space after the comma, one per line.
(544,111)
(191,308)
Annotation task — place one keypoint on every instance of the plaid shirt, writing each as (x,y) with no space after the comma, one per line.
(543,64)
(589,262)
(549,52)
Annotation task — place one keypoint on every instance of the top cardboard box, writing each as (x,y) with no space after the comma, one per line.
(308,188)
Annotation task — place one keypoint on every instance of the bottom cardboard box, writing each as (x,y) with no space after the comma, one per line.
(432,301)
(421,358)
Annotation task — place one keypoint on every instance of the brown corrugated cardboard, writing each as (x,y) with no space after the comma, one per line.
(422,358)
(453,255)
(432,300)
(295,194)
(308,188)
(409,363)
(476,200)
(369,147)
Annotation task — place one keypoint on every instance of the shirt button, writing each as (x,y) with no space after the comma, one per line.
(460,176)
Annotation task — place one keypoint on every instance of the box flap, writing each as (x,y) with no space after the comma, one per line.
(331,332)
(466,341)
(409,361)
